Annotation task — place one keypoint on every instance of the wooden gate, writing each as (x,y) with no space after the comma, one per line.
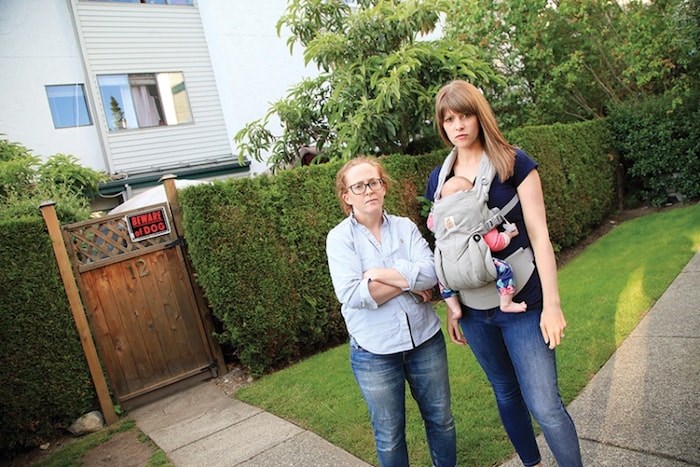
(141,304)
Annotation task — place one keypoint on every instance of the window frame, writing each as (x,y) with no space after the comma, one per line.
(144,100)
(75,110)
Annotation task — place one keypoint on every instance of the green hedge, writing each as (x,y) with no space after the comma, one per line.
(46,382)
(658,140)
(578,170)
(258,245)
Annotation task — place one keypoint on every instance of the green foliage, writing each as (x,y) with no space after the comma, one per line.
(264,272)
(566,61)
(258,245)
(25,183)
(659,142)
(117,113)
(577,166)
(69,207)
(17,169)
(64,170)
(377,81)
(537,62)
(46,382)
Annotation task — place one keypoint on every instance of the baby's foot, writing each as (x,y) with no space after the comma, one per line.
(513,307)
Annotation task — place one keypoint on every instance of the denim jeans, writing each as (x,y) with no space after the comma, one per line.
(382,381)
(523,374)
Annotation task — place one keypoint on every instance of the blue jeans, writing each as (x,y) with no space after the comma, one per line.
(382,381)
(523,374)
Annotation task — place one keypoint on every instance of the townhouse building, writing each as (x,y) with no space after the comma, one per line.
(142,88)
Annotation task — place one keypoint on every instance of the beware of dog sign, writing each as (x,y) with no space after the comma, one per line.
(148,224)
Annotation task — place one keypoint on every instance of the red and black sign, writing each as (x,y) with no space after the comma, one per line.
(148,224)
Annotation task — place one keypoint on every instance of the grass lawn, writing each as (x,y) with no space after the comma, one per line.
(605,292)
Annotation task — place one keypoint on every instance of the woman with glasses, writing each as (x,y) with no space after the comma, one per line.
(383,275)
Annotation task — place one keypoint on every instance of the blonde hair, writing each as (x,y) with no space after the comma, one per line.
(341,185)
(461,97)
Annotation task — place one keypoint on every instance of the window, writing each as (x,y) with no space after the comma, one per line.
(160,2)
(68,105)
(144,100)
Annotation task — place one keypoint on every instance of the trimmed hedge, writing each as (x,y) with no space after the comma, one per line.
(658,140)
(46,382)
(258,245)
(578,170)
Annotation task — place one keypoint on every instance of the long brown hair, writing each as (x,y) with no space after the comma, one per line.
(341,185)
(464,98)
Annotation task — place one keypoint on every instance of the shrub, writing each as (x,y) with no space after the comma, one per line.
(258,245)
(25,182)
(46,381)
(17,169)
(578,172)
(659,142)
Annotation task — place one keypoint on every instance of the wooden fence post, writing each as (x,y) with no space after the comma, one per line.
(48,211)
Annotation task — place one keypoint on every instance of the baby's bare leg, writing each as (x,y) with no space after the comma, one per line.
(509,306)
(506,288)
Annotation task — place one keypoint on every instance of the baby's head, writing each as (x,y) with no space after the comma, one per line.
(455,184)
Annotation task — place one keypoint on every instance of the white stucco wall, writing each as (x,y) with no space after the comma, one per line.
(252,65)
(38,48)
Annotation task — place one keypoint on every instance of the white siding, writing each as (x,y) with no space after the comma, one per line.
(56,42)
(120,38)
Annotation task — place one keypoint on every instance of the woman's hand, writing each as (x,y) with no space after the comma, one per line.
(454,330)
(552,325)
(424,295)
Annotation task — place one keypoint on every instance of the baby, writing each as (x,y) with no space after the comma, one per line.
(496,241)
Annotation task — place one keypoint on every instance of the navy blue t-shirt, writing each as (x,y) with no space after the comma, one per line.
(499,195)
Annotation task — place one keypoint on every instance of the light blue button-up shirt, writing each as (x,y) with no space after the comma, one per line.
(399,324)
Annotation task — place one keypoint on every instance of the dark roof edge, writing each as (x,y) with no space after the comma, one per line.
(147,179)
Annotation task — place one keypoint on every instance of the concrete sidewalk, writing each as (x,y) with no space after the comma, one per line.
(202,426)
(641,409)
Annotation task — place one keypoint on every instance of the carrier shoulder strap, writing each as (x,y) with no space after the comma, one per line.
(444,171)
(484,178)
(510,205)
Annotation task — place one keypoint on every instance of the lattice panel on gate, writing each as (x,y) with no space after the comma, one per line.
(99,242)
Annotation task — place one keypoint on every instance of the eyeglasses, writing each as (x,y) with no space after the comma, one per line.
(361,187)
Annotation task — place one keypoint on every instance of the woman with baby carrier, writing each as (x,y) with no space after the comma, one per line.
(515,349)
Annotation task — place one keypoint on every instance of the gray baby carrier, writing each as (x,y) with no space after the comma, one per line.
(463,260)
